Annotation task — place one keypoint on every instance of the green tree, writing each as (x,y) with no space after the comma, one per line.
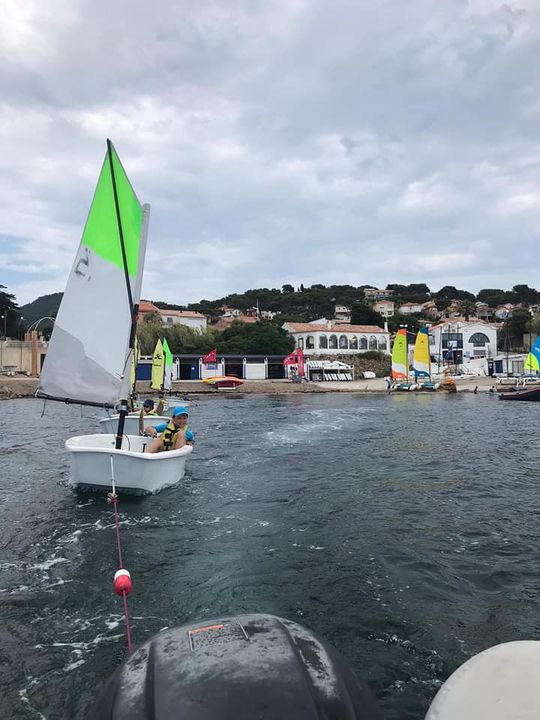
(466,308)
(524,294)
(449,293)
(262,338)
(363,314)
(10,313)
(411,321)
(493,297)
(287,288)
(514,328)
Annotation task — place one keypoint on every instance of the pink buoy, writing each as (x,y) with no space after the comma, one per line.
(122,582)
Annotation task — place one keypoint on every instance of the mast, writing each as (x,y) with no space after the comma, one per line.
(123,400)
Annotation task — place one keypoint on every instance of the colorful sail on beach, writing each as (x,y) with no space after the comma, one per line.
(400,361)
(421,358)
(167,377)
(532,361)
(89,355)
(158,367)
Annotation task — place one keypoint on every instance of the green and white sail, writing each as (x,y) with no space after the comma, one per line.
(167,377)
(89,355)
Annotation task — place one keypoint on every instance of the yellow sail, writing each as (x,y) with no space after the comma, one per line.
(399,356)
(421,358)
(158,367)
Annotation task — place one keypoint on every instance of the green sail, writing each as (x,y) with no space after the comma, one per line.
(88,359)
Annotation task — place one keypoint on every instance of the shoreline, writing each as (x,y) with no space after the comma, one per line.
(12,388)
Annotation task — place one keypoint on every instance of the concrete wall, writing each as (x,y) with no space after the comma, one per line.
(16,355)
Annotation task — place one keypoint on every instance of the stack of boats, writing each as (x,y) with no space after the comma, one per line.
(92,346)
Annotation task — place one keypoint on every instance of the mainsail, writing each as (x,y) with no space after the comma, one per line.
(158,367)
(89,353)
(421,358)
(400,361)
(532,361)
(167,377)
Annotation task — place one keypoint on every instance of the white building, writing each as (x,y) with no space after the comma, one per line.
(336,339)
(474,338)
(372,293)
(190,318)
(342,313)
(410,308)
(385,308)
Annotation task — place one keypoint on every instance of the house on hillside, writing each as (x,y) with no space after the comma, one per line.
(342,313)
(483,311)
(189,318)
(385,308)
(332,338)
(502,312)
(429,310)
(411,308)
(225,322)
(377,294)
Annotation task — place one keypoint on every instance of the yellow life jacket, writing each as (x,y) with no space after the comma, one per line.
(169,434)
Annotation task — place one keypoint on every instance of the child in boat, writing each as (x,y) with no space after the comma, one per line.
(173,435)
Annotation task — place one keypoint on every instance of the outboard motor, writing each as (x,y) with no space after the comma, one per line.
(250,667)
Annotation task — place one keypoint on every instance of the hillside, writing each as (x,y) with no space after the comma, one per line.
(44,306)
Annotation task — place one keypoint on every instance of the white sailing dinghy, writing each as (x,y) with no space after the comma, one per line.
(90,350)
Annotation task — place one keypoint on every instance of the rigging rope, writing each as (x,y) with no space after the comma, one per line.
(122,578)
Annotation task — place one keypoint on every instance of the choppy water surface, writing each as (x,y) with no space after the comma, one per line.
(404,529)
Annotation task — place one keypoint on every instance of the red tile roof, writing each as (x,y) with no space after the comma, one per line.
(181,313)
(345,328)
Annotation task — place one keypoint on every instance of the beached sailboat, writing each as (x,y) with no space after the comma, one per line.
(90,351)
(400,363)
(422,362)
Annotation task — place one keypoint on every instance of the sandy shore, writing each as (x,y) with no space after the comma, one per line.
(21,387)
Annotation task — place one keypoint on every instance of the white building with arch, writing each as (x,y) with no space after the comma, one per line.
(338,339)
(475,339)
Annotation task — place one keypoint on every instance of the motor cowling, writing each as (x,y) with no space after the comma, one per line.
(239,668)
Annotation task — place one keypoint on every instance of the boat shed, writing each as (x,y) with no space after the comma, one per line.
(244,367)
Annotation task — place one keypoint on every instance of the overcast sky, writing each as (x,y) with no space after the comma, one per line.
(277,141)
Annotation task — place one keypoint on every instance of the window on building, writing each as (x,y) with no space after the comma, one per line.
(382,343)
(363,343)
(479,339)
(452,340)
(323,341)
(300,342)
(169,320)
(353,342)
(310,342)
(432,340)
(372,342)
(343,342)
(332,343)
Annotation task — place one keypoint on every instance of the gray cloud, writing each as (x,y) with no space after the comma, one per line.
(284,141)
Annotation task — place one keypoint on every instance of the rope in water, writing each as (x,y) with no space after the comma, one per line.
(122,578)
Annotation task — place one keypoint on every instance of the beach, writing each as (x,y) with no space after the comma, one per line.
(25,387)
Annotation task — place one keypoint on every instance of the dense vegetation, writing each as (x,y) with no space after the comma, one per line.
(301,304)
(10,320)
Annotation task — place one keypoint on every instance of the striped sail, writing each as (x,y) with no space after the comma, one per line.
(89,356)
(421,358)
(158,366)
(532,361)
(399,356)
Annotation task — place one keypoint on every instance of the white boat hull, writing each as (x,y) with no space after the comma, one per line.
(109,425)
(94,458)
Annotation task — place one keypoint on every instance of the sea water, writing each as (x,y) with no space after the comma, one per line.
(404,529)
